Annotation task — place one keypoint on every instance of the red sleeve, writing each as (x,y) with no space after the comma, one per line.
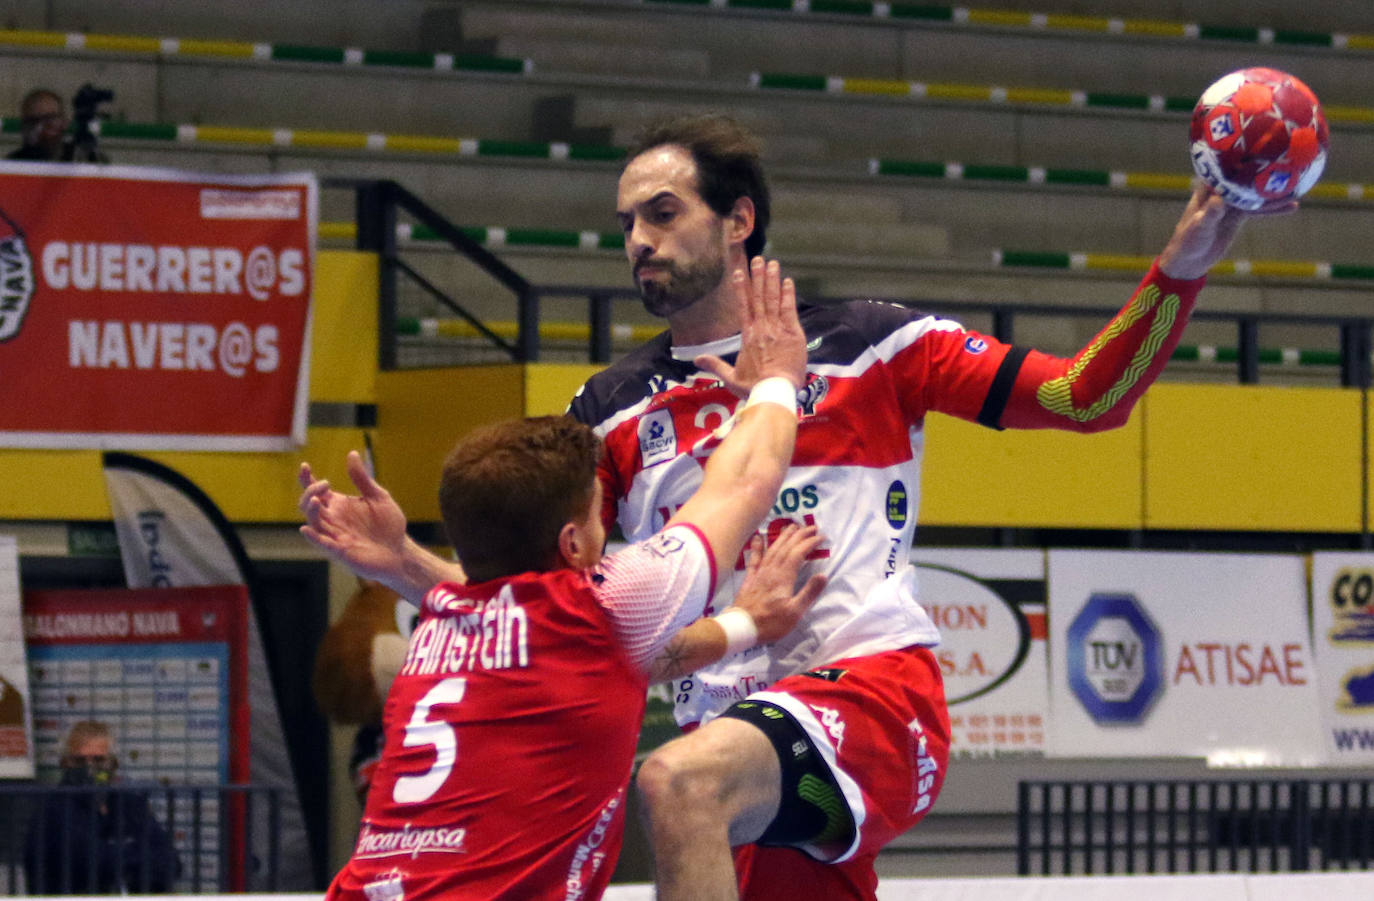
(1097,388)
(610,491)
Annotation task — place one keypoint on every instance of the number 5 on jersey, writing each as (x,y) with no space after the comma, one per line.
(421,732)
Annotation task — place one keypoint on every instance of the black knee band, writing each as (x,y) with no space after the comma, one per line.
(813,809)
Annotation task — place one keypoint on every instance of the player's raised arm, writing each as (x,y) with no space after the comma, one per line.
(744,474)
(975,377)
(769,594)
(367,533)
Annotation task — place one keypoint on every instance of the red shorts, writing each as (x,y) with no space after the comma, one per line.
(882,725)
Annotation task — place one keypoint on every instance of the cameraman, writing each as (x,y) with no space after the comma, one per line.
(43,127)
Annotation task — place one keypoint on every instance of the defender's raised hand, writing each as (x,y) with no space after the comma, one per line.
(367,531)
(767,593)
(771,339)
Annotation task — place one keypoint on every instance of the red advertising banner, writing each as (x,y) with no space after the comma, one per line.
(155,310)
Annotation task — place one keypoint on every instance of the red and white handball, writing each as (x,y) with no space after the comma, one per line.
(1258,135)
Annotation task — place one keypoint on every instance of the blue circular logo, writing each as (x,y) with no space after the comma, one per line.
(896,504)
(1115,659)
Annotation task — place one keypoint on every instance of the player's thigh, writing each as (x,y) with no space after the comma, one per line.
(881,724)
(726,763)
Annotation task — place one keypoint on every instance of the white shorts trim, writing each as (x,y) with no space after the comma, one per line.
(853,796)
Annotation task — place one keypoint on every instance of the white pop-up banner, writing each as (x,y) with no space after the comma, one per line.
(1343,640)
(1191,655)
(16,719)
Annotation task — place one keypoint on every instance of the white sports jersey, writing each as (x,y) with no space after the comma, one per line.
(855,474)
(874,371)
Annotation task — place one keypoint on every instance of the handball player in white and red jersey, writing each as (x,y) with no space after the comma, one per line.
(814,752)
(512,724)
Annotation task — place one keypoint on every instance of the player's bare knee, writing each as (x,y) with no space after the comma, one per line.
(676,788)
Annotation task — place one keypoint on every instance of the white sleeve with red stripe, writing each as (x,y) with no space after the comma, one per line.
(656,587)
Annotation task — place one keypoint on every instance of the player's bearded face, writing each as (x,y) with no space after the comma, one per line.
(668,286)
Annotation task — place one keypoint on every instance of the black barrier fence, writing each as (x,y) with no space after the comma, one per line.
(380,205)
(1210,826)
(61,840)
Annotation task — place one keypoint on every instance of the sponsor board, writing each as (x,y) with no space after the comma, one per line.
(1172,655)
(1343,640)
(990,608)
(150,309)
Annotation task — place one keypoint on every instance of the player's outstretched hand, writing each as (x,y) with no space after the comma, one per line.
(1205,232)
(767,593)
(771,339)
(367,531)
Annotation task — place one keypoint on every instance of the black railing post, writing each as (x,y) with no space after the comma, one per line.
(527,326)
(1247,356)
(376,212)
(1003,325)
(1298,859)
(1355,353)
(1022,829)
(599,316)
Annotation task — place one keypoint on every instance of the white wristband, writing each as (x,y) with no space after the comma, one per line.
(740,632)
(773,390)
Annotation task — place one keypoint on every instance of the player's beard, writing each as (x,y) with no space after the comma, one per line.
(678,287)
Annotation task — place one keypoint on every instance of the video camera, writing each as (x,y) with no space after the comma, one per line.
(83,146)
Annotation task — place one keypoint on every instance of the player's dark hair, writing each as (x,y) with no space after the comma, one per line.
(728,165)
(508,489)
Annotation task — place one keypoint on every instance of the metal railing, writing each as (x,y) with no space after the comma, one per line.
(1165,826)
(139,839)
(378,202)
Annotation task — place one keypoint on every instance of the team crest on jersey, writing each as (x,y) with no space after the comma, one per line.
(975,345)
(657,438)
(810,397)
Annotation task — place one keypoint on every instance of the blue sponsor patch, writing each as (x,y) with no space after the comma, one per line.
(896,504)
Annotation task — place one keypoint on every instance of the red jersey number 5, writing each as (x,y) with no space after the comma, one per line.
(421,731)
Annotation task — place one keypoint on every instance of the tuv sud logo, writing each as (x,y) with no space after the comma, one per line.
(1115,659)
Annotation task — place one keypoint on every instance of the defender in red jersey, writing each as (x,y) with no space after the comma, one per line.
(512,723)
(816,751)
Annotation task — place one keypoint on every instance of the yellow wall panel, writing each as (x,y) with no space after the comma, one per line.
(1251,457)
(549,386)
(247,487)
(51,484)
(977,476)
(343,347)
(421,414)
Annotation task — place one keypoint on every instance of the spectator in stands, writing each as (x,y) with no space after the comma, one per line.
(42,127)
(94,841)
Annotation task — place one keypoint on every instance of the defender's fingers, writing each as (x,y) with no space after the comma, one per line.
(313,493)
(798,541)
(739,281)
(789,300)
(772,291)
(810,591)
(362,479)
(753,554)
(758,272)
